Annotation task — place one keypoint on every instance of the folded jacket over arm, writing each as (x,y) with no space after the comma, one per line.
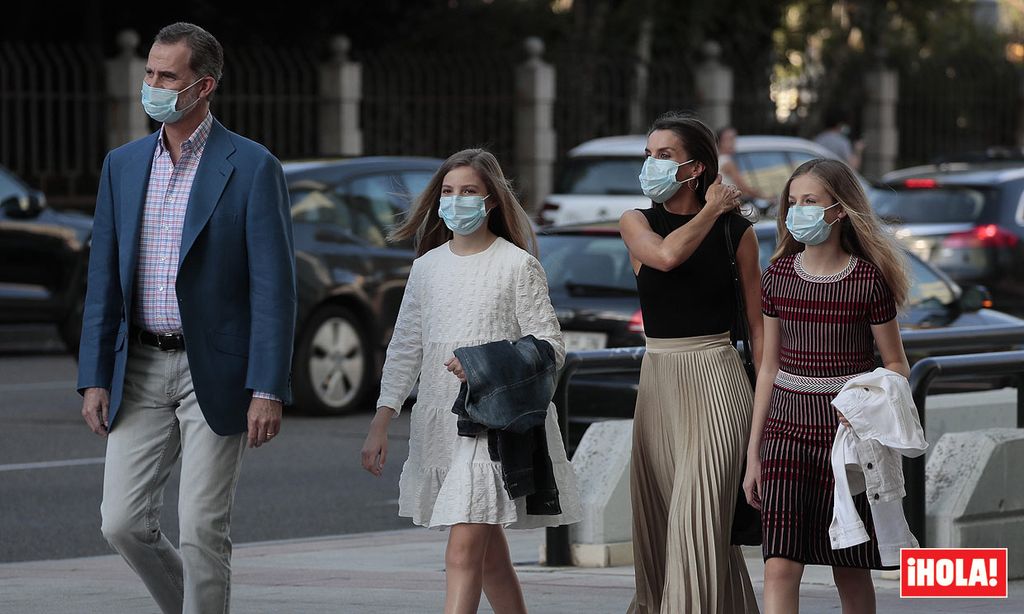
(507,392)
(867,457)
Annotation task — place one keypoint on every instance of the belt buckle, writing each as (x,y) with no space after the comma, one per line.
(169,338)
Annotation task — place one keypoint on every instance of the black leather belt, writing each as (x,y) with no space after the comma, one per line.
(165,342)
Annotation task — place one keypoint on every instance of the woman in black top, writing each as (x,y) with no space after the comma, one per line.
(693,408)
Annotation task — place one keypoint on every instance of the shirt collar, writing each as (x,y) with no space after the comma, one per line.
(194,143)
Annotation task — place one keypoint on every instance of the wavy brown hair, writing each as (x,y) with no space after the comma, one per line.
(507,219)
(861,231)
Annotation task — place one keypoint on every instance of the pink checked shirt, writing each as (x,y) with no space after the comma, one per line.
(163,219)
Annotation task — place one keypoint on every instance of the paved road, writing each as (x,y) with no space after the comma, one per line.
(307,483)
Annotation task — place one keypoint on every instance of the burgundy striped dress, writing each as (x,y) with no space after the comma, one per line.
(825,339)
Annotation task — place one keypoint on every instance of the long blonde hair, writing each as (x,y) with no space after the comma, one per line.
(507,220)
(861,231)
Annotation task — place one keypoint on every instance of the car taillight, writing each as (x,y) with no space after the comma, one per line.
(547,207)
(636,323)
(988,235)
(920,183)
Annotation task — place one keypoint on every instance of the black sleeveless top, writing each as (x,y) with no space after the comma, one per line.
(697,297)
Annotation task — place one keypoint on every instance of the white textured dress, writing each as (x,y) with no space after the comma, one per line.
(450,302)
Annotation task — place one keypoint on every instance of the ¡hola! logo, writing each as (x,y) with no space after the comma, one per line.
(953,572)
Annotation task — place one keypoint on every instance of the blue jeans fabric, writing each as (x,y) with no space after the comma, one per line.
(507,391)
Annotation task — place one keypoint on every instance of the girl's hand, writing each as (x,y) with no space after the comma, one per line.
(843,420)
(722,198)
(375,448)
(455,367)
(752,481)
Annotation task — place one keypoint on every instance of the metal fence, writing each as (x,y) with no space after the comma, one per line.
(53,117)
(435,105)
(271,95)
(952,107)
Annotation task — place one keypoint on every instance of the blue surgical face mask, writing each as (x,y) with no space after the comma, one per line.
(807,223)
(658,178)
(160,104)
(463,214)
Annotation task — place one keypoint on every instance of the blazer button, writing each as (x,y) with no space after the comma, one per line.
(876,496)
(870,466)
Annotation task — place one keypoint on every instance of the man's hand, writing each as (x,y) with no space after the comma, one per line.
(264,421)
(95,410)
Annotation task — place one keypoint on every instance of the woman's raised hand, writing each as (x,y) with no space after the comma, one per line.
(722,198)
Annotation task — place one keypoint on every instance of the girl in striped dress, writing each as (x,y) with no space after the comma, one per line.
(829,298)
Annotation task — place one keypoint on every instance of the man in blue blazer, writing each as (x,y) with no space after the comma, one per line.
(189,323)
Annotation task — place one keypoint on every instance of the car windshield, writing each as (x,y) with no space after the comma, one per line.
(587,265)
(605,176)
(926,286)
(947,205)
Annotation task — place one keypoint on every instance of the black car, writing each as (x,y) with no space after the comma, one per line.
(966,218)
(593,291)
(44,257)
(350,279)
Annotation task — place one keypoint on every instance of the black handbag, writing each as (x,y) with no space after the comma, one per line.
(746,521)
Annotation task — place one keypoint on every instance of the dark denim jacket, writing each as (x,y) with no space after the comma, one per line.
(507,391)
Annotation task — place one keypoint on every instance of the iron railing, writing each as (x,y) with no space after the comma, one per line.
(922,374)
(921,377)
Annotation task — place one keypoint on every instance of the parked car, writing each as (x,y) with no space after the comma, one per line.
(599,179)
(44,257)
(593,291)
(964,218)
(350,279)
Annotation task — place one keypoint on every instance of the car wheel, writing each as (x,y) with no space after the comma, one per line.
(71,327)
(332,363)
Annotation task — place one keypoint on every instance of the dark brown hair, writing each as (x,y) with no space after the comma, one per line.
(698,140)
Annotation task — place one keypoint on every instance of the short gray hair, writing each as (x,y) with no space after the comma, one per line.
(207,55)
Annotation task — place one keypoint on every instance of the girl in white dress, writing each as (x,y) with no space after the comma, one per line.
(475,281)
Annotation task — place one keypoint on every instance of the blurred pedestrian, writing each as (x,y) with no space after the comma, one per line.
(829,299)
(189,323)
(835,138)
(693,407)
(731,174)
(475,281)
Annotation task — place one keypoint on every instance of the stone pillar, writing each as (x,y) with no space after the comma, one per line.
(714,88)
(341,92)
(881,136)
(535,133)
(127,120)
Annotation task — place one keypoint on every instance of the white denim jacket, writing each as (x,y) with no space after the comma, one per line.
(868,457)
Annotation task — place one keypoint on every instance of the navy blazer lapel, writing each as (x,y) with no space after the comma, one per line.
(131,201)
(211,178)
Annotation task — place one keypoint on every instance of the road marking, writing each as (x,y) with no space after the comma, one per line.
(65,385)
(53,464)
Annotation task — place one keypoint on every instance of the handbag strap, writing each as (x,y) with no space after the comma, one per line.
(741,304)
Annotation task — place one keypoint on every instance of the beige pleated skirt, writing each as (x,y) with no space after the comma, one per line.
(690,430)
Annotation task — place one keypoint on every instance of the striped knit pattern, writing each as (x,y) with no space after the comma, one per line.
(689,432)
(825,321)
(825,325)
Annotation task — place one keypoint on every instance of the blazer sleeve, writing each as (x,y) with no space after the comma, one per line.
(534,312)
(103,301)
(272,300)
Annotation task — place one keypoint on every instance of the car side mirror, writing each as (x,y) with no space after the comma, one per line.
(24,206)
(975,297)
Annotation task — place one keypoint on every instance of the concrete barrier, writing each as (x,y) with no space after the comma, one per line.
(969,411)
(973,493)
(604,537)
